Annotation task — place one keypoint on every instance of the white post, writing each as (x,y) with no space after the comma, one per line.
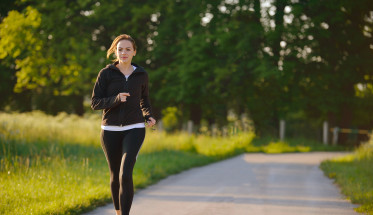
(160,125)
(244,122)
(325,133)
(282,129)
(225,131)
(335,135)
(190,126)
(214,130)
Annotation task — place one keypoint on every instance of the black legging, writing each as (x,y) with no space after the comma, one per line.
(121,149)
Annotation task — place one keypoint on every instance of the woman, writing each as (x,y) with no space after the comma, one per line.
(121,90)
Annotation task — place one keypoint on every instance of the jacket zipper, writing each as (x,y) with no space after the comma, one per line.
(123,107)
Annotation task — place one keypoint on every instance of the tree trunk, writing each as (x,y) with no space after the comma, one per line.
(78,104)
(195,113)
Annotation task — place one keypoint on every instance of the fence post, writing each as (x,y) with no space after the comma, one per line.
(335,135)
(214,130)
(325,133)
(225,131)
(160,125)
(190,126)
(282,129)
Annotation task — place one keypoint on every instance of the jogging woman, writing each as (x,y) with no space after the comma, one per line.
(121,90)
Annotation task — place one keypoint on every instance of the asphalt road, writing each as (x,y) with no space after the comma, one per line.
(280,184)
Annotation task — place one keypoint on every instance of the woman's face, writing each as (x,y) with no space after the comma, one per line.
(125,51)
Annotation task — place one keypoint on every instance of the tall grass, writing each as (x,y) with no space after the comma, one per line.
(354,174)
(55,164)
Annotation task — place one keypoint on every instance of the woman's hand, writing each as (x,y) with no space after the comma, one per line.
(123,96)
(151,122)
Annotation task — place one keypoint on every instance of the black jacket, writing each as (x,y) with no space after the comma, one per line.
(110,82)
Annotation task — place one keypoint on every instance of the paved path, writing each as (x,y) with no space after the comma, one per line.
(282,184)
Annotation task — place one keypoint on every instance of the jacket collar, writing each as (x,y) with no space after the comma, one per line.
(138,68)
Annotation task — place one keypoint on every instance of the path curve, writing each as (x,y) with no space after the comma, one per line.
(280,184)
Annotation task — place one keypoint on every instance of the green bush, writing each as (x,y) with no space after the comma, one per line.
(170,118)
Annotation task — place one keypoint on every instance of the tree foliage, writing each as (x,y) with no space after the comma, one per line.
(269,59)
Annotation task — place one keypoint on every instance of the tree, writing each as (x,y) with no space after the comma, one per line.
(332,48)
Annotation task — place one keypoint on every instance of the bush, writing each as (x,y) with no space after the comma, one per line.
(170,119)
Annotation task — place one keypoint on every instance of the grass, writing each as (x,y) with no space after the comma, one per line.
(55,164)
(354,174)
(273,146)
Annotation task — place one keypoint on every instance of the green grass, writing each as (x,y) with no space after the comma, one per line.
(273,145)
(55,164)
(354,174)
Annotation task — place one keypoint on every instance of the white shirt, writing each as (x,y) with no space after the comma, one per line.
(122,128)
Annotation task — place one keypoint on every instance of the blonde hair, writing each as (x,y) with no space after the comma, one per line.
(115,42)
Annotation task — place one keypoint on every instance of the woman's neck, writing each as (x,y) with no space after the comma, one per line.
(125,67)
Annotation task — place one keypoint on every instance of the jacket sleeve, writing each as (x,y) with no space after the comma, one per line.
(145,102)
(99,100)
